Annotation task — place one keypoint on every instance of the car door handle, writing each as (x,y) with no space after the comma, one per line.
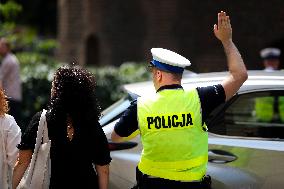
(220,156)
(113,146)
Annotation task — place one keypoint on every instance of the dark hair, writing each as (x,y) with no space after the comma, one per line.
(177,76)
(73,94)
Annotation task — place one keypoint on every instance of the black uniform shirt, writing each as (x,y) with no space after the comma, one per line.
(210,98)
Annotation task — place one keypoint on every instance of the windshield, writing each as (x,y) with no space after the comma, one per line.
(116,110)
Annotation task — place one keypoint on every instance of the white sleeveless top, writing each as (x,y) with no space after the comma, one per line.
(10,136)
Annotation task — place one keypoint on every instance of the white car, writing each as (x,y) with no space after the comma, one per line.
(243,152)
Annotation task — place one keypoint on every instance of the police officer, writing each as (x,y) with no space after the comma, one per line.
(270,108)
(171,123)
(271,58)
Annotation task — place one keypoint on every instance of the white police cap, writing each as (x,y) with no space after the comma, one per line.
(270,53)
(169,61)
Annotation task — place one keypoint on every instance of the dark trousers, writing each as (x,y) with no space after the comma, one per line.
(146,182)
(15,111)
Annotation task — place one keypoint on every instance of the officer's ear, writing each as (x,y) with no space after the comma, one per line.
(159,75)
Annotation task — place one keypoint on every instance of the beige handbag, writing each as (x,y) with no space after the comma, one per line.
(37,175)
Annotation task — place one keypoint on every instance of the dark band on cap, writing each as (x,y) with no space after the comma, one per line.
(167,67)
(271,56)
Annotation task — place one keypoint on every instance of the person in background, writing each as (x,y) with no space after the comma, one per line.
(271,108)
(270,58)
(10,136)
(172,122)
(77,139)
(10,79)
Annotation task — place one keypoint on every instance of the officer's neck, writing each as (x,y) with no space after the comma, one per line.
(161,84)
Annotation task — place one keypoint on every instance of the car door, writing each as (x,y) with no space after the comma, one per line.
(247,137)
(125,155)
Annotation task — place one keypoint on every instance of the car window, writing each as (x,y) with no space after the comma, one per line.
(252,115)
(116,110)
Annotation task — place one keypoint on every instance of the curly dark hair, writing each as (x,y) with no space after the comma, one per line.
(3,103)
(73,94)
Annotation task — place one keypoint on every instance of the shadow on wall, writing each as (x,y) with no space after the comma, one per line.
(92,51)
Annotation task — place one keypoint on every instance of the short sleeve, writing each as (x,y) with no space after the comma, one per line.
(128,122)
(102,154)
(28,139)
(210,98)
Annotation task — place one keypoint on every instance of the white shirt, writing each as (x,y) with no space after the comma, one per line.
(10,136)
(10,77)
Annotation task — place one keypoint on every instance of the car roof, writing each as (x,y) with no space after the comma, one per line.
(258,80)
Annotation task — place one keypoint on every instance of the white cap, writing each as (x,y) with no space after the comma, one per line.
(270,53)
(169,57)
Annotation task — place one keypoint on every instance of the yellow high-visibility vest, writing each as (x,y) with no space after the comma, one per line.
(175,143)
(264,108)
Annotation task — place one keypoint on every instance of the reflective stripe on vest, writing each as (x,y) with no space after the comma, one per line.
(175,146)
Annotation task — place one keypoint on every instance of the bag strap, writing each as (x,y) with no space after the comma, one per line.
(42,133)
(45,130)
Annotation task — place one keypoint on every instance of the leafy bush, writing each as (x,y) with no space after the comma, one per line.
(36,74)
(46,46)
(110,79)
(10,10)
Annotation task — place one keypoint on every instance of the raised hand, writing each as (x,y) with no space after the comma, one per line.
(223,31)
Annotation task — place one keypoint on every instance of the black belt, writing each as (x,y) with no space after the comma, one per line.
(141,178)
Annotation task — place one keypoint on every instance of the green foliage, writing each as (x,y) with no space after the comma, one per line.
(22,38)
(46,46)
(37,72)
(110,80)
(10,10)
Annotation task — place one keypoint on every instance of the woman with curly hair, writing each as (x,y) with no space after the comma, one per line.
(77,139)
(10,136)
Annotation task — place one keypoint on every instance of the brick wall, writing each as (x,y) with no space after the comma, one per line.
(70,30)
(122,31)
